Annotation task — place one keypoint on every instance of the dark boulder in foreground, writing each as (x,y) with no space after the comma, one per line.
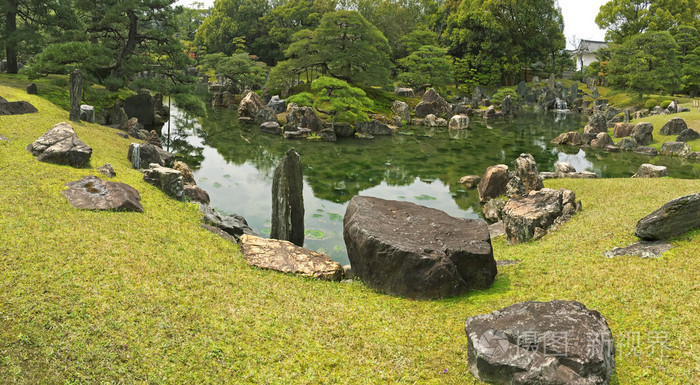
(286,257)
(556,342)
(401,248)
(60,145)
(17,108)
(674,218)
(93,193)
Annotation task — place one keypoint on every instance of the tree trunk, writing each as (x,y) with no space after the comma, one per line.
(10,29)
(130,45)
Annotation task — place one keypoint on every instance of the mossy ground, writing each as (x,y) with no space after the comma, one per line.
(114,297)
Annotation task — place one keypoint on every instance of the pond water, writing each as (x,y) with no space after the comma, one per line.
(234,164)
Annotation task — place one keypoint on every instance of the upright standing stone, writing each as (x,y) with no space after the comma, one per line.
(76,93)
(287,200)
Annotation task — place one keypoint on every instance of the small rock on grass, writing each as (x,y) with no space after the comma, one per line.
(640,249)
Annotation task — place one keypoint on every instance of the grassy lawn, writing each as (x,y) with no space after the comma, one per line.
(91,297)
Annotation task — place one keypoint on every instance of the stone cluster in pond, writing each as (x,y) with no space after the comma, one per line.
(556,342)
(60,145)
(635,137)
(93,193)
(404,249)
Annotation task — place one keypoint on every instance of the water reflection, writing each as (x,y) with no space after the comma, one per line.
(235,163)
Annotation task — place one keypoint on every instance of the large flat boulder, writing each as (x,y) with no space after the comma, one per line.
(401,248)
(93,193)
(286,257)
(648,170)
(673,218)
(60,145)
(373,127)
(545,343)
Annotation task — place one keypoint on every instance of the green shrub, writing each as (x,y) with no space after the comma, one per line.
(59,82)
(651,103)
(305,99)
(502,93)
(665,104)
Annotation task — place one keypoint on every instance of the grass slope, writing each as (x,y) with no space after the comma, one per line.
(88,297)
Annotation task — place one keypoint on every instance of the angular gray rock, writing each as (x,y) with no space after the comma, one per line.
(675,148)
(627,144)
(266,114)
(93,193)
(250,105)
(142,155)
(526,170)
(507,106)
(401,248)
(286,257)
(647,170)
(493,210)
(596,124)
(271,128)
(433,103)
(234,224)
(373,127)
(277,104)
(328,135)
(602,140)
(545,343)
(107,170)
(32,89)
(673,218)
(4,139)
(344,130)
(459,122)
(622,129)
(688,135)
(641,249)
(571,138)
(493,183)
(401,110)
(287,200)
(673,127)
(87,113)
(302,117)
(642,133)
(197,194)
(470,181)
(408,92)
(644,150)
(186,172)
(60,145)
(532,216)
(166,179)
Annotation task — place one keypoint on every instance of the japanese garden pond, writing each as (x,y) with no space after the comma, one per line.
(234,163)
